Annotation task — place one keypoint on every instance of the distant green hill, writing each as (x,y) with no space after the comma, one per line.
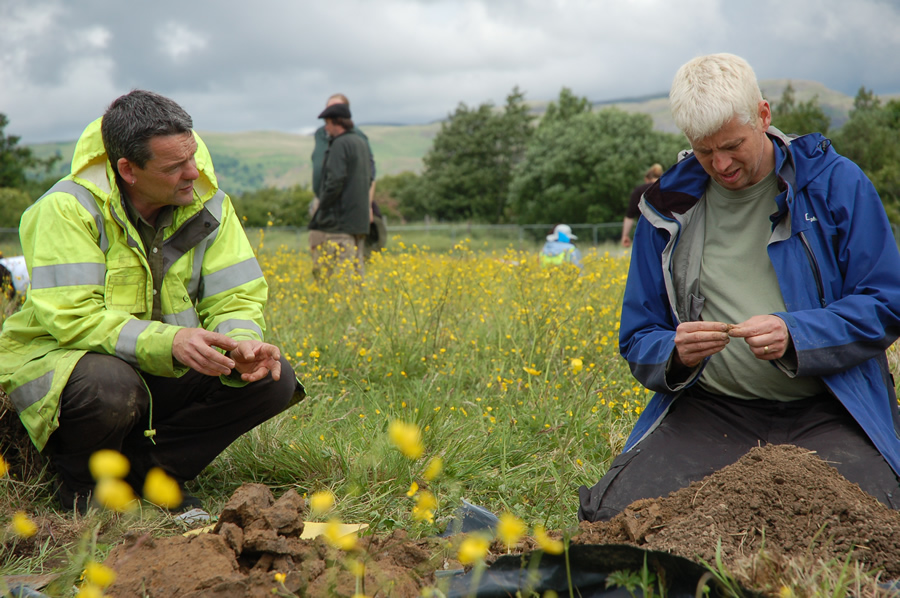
(251,160)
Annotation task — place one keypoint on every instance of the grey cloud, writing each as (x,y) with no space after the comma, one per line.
(271,64)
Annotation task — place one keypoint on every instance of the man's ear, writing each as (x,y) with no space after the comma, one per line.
(126,170)
(765,114)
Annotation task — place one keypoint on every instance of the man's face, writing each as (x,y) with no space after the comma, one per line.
(167,179)
(331,128)
(738,155)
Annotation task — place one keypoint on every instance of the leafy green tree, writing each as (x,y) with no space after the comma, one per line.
(400,196)
(15,160)
(871,138)
(13,202)
(799,119)
(567,106)
(582,169)
(469,166)
(275,207)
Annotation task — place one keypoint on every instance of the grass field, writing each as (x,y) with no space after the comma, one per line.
(510,374)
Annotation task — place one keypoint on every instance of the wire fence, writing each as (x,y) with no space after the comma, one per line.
(437,235)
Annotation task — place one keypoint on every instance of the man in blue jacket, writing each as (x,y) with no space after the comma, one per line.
(763,291)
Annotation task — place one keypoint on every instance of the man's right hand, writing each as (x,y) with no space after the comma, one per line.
(193,347)
(695,341)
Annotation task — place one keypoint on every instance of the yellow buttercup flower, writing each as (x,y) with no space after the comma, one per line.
(107,463)
(4,467)
(545,542)
(413,488)
(99,575)
(510,529)
(334,537)
(473,549)
(435,466)
(280,577)
(22,525)
(407,438)
(115,494)
(576,365)
(426,503)
(160,489)
(356,567)
(321,502)
(89,590)
(532,371)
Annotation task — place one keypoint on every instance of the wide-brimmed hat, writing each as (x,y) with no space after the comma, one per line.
(336,111)
(561,232)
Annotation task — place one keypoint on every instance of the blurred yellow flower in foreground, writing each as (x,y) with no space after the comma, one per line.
(4,467)
(89,590)
(435,466)
(576,365)
(510,528)
(22,525)
(407,438)
(473,549)
(321,502)
(356,567)
(426,503)
(334,537)
(546,543)
(108,463)
(115,494)
(99,575)
(162,490)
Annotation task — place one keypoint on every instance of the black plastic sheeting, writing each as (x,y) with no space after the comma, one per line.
(590,566)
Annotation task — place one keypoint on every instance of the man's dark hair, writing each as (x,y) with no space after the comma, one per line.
(136,117)
(346,123)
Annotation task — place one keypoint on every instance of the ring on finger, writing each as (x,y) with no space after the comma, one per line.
(765,349)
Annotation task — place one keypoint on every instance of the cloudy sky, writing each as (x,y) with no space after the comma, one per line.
(239,65)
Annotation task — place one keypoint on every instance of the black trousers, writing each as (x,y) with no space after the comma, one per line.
(106,405)
(703,433)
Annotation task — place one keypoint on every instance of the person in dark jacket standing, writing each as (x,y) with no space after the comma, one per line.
(339,226)
(763,291)
(634,211)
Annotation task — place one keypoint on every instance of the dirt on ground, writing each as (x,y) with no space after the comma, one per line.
(781,497)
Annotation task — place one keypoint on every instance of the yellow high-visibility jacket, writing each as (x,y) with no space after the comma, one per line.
(91,286)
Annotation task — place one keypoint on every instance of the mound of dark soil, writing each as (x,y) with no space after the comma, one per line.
(782,497)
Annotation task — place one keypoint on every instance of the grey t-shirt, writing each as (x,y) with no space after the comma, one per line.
(738,281)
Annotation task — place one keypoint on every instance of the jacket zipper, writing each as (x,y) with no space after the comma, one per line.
(815,268)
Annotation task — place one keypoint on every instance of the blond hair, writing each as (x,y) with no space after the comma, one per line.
(709,91)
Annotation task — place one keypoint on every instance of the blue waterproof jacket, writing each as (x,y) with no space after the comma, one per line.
(837,264)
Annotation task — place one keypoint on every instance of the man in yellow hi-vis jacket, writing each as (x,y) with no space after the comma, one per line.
(143,328)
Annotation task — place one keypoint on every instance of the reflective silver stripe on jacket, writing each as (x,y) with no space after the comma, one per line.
(67,275)
(231,277)
(214,206)
(87,201)
(229,325)
(187,318)
(31,392)
(126,345)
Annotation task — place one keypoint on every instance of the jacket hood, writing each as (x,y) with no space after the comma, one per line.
(813,152)
(91,166)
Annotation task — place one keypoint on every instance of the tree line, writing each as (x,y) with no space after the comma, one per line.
(504,165)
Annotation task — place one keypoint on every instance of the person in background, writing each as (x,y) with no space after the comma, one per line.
(633,212)
(377,237)
(142,331)
(763,291)
(338,228)
(559,249)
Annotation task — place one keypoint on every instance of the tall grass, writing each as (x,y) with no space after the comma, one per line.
(510,371)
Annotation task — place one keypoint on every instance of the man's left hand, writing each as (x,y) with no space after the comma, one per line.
(767,336)
(255,359)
